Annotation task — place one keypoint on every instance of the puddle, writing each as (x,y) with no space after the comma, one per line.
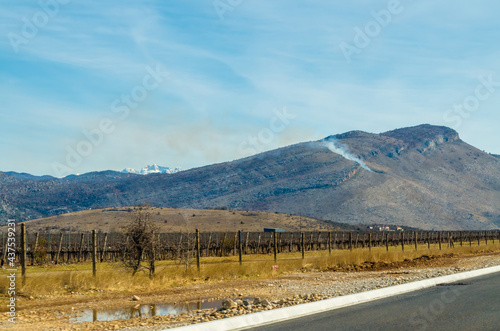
(142,310)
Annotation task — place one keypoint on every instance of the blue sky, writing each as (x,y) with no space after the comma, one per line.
(226,72)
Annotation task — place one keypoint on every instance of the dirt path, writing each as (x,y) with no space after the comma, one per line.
(54,313)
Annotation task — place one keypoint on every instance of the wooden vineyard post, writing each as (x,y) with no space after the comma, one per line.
(461,238)
(387,242)
(23,252)
(33,252)
(208,244)
(428,240)
(439,239)
(258,244)
(403,241)
(275,238)
(302,244)
(416,240)
(103,252)
(81,248)
(179,247)
(330,242)
(223,244)
(49,249)
(234,246)
(198,249)
(4,249)
(68,249)
(94,253)
(269,243)
(59,248)
(152,267)
(240,247)
(370,241)
(246,243)
(350,241)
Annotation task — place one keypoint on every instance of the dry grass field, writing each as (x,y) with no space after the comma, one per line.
(175,220)
(112,278)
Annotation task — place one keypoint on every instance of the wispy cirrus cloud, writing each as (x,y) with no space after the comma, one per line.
(226,76)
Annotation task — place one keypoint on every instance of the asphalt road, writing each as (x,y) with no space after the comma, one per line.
(467,305)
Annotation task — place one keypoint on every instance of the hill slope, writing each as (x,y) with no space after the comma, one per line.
(422,176)
(179,220)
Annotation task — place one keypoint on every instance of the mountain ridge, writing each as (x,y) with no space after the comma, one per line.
(423,176)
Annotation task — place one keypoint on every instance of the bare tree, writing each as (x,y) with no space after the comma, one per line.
(140,243)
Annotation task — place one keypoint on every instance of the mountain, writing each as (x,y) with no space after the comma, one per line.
(152,169)
(24,175)
(423,176)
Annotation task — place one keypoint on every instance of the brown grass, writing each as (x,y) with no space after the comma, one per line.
(173,220)
(111,278)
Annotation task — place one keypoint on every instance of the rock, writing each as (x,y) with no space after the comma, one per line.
(239,302)
(256,301)
(135,298)
(265,303)
(246,302)
(228,304)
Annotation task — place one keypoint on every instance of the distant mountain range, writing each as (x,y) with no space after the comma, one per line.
(424,177)
(23,175)
(152,169)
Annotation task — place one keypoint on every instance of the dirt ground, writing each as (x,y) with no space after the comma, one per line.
(53,313)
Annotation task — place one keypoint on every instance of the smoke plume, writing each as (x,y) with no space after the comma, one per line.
(343,151)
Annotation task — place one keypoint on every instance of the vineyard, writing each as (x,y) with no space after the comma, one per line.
(68,248)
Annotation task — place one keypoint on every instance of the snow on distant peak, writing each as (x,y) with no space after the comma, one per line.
(152,169)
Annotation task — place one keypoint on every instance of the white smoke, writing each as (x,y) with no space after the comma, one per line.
(343,151)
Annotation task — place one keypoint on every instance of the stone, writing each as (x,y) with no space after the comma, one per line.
(228,304)
(135,298)
(265,303)
(256,301)
(239,302)
(246,302)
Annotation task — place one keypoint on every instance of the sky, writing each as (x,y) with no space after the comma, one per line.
(92,85)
